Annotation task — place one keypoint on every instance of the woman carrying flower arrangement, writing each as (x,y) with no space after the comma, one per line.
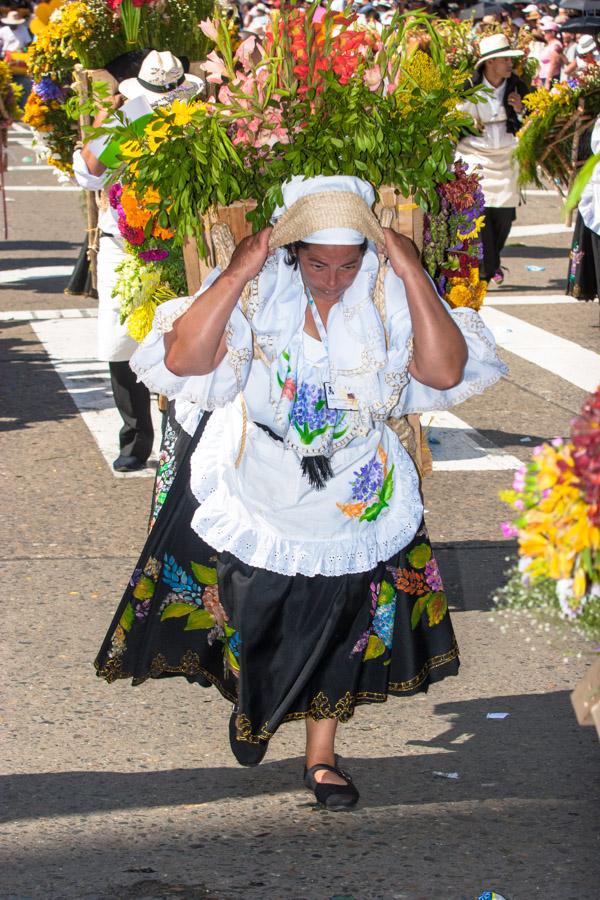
(290,566)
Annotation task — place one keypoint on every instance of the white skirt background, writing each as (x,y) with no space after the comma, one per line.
(497,169)
(114,344)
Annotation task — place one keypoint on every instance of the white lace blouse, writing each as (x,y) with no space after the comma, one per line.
(253,499)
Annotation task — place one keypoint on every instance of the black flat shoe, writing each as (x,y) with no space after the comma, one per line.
(128,464)
(336,797)
(247,754)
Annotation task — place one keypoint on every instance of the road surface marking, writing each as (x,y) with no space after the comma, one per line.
(88,382)
(16,276)
(554,354)
(500,298)
(28,315)
(539,230)
(458,447)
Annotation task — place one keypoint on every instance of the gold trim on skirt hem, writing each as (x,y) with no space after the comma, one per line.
(320,706)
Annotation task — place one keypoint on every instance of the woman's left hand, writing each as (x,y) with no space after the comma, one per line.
(401,252)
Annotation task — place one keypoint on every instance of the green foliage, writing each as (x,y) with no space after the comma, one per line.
(273,124)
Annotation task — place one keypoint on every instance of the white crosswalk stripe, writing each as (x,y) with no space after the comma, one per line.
(70,342)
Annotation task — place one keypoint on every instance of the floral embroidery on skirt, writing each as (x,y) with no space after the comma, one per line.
(281,647)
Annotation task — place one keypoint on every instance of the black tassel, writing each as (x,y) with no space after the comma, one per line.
(318,471)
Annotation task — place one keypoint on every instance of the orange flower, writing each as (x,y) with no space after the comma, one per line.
(165,233)
(411,582)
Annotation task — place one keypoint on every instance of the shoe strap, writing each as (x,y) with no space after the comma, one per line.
(335,769)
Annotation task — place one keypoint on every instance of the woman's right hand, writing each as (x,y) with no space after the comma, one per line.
(249,256)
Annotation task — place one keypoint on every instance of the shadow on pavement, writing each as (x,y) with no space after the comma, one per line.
(31,390)
(55,285)
(540,732)
(16,246)
(472,571)
(511,438)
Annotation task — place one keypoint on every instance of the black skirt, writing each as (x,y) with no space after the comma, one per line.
(280,647)
(583,277)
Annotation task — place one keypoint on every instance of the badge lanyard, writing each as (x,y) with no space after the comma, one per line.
(318,321)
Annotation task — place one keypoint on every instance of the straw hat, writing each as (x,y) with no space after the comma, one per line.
(495,46)
(326,210)
(161,78)
(12,18)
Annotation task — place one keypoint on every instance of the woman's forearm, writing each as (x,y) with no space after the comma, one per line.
(196,345)
(439,349)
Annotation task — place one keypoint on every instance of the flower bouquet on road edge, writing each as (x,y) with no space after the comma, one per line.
(556,500)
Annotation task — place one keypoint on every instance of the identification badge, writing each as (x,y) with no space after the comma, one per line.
(339,398)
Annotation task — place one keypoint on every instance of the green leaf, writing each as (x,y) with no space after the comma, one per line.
(438,598)
(417,611)
(374,648)
(386,593)
(231,659)
(387,488)
(419,556)
(144,589)
(200,618)
(176,610)
(127,617)
(204,574)
(371,512)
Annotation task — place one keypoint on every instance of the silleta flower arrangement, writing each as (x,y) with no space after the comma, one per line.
(93,32)
(154,270)
(318,97)
(10,92)
(556,501)
(451,240)
(552,116)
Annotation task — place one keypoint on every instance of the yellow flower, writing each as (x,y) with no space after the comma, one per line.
(477,226)
(139,323)
(156,135)
(131,149)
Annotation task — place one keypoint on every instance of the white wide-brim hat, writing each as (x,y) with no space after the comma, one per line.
(161,78)
(495,46)
(586,44)
(13,18)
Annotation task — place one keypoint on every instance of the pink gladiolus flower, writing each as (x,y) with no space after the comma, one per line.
(215,67)
(508,530)
(245,50)
(373,78)
(207,27)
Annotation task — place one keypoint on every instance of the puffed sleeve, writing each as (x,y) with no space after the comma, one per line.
(84,177)
(207,391)
(482,369)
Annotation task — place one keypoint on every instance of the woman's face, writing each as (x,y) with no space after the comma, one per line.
(328,269)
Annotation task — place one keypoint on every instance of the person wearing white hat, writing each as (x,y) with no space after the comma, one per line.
(586,52)
(497,118)
(14,33)
(160,78)
(294,530)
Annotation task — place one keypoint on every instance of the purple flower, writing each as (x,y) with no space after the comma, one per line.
(311,409)
(153,255)
(49,90)
(368,481)
(432,576)
(114,194)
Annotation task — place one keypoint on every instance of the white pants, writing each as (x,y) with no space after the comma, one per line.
(114,344)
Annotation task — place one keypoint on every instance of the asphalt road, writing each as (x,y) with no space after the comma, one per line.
(109,792)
